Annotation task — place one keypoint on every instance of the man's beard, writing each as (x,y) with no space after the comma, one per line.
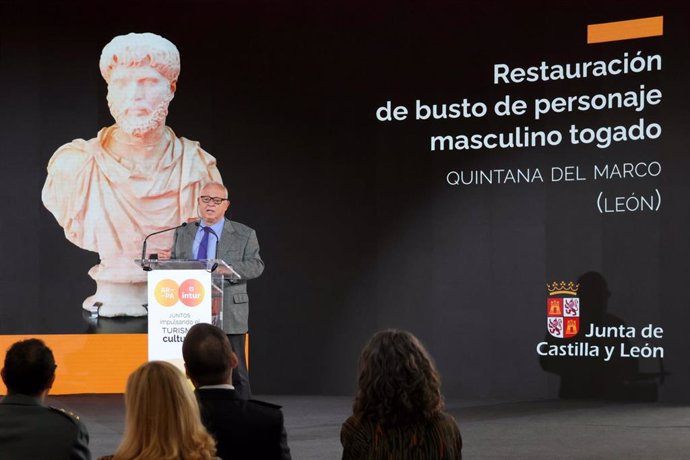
(139,126)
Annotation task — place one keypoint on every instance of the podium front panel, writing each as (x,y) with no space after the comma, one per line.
(178,299)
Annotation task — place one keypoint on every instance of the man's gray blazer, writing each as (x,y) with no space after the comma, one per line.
(238,247)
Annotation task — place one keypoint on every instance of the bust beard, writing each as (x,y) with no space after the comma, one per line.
(139,126)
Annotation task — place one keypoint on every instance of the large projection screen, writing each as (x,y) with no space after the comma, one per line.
(507,180)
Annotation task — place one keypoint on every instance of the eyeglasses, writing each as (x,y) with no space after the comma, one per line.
(215,199)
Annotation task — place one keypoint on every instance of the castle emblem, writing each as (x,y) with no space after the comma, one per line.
(562,309)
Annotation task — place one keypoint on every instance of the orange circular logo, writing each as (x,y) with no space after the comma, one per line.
(191,292)
(166,292)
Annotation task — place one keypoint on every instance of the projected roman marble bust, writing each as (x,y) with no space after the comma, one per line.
(134,178)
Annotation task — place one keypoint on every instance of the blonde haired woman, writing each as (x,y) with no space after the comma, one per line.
(162,418)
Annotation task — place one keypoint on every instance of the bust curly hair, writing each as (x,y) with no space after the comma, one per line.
(398,382)
(135,49)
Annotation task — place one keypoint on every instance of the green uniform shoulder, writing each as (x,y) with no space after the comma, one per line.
(71,416)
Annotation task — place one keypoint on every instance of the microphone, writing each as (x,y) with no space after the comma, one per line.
(215,252)
(143,246)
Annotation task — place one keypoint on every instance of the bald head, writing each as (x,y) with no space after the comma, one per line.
(213,202)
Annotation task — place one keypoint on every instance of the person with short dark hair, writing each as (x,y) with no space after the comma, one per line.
(243,429)
(398,409)
(29,428)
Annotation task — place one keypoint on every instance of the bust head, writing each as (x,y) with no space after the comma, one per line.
(141,71)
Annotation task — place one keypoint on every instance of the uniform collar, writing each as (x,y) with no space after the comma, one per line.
(22,400)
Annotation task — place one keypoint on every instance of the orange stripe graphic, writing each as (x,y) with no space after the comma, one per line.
(92,363)
(625,30)
(89,363)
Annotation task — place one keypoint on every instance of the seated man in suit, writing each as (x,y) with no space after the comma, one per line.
(242,429)
(29,428)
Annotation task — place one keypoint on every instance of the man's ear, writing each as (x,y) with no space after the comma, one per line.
(186,372)
(233,360)
(46,390)
(50,382)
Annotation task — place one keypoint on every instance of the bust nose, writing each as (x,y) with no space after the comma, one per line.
(134,92)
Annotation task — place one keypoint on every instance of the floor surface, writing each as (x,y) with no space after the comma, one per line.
(549,429)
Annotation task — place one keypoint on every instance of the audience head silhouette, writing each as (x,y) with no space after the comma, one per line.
(29,368)
(208,355)
(398,409)
(162,418)
(398,381)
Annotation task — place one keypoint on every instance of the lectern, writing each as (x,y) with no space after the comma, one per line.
(182,293)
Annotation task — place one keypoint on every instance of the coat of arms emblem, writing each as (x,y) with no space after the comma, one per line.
(562,309)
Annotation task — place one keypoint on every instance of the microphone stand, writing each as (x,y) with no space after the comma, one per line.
(145,267)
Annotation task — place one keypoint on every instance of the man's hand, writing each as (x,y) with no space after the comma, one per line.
(164,254)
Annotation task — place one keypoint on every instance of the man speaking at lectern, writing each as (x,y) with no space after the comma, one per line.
(215,237)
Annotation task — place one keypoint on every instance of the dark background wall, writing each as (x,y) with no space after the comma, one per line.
(358,228)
